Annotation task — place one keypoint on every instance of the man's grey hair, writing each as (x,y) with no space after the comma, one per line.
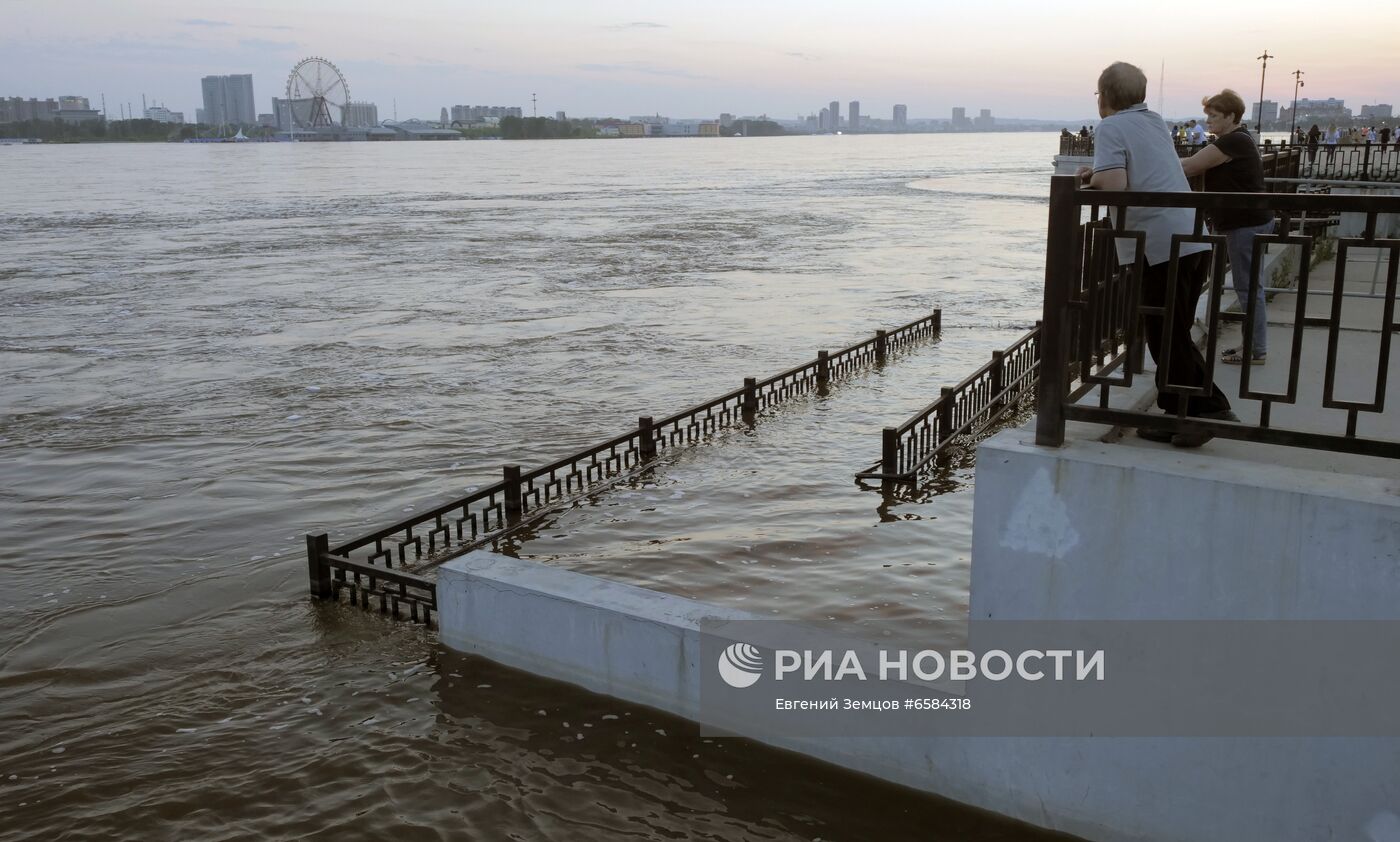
(1122,85)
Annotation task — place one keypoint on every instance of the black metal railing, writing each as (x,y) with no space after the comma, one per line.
(1343,161)
(1092,312)
(489,513)
(970,409)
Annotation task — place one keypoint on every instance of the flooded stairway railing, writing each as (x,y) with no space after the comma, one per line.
(970,408)
(363,567)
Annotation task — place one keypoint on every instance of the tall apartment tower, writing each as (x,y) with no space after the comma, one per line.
(834,115)
(853,109)
(824,120)
(228,100)
(901,117)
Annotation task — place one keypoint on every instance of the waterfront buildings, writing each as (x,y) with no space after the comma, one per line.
(853,109)
(228,100)
(960,121)
(1377,112)
(1268,111)
(361,115)
(984,120)
(18,110)
(833,116)
(901,117)
(483,113)
(161,114)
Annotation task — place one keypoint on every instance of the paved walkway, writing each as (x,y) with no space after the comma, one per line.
(1357,370)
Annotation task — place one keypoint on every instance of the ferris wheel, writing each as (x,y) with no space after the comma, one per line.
(317,95)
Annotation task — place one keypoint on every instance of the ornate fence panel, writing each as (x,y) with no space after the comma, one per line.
(364,566)
(1090,314)
(970,408)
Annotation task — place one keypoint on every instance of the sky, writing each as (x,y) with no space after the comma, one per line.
(698,59)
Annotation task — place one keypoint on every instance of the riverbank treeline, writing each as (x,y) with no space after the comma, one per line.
(147,131)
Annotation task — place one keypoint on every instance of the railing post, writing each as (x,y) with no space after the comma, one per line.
(1366,162)
(646,439)
(998,378)
(938,320)
(881,345)
(945,415)
(1059,275)
(320,572)
(823,369)
(750,405)
(889,451)
(514,504)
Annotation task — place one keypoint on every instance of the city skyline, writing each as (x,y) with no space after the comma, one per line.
(618,58)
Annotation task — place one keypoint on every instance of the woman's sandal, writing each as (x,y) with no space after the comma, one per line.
(1235,356)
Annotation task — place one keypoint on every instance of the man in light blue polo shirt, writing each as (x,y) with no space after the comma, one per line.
(1133,150)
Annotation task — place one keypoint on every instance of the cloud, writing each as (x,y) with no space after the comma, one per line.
(803,56)
(260,44)
(269,26)
(640,24)
(204,22)
(639,67)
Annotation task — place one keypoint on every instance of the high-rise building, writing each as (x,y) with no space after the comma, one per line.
(824,120)
(17,109)
(984,120)
(560,116)
(960,120)
(361,115)
(1377,112)
(834,115)
(443,118)
(726,120)
(483,113)
(853,109)
(200,116)
(228,100)
(901,117)
(1269,112)
(73,103)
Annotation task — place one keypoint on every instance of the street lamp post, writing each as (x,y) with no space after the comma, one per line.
(1297,83)
(1260,123)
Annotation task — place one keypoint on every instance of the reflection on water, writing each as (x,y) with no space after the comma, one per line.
(210,350)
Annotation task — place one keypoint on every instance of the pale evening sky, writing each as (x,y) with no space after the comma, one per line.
(685,59)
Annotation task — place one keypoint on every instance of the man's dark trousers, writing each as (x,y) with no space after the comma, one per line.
(1186,367)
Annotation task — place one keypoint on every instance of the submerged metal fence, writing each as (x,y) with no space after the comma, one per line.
(970,408)
(1092,311)
(363,566)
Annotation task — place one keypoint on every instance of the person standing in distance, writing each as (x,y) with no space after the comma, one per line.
(1134,152)
(1231,164)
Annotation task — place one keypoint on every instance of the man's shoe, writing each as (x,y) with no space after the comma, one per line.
(1198,438)
(1162,436)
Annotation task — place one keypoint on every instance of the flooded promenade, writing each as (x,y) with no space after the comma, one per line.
(212,350)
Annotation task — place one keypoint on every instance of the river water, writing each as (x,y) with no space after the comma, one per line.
(210,350)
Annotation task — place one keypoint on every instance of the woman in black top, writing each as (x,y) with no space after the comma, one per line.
(1231,164)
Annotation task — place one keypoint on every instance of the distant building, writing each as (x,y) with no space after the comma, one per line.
(1323,109)
(726,120)
(17,109)
(901,117)
(73,103)
(228,100)
(161,114)
(709,128)
(1377,112)
(960,121)
(560,116)
(484,113)
(200,117)
(267,121)
(632,130)
(984,120)
(443,119)
(834,115)
(824,120)
(1268,111)
(361,115)
(853,109)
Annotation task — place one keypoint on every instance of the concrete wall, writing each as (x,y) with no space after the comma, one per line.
(1098,531)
